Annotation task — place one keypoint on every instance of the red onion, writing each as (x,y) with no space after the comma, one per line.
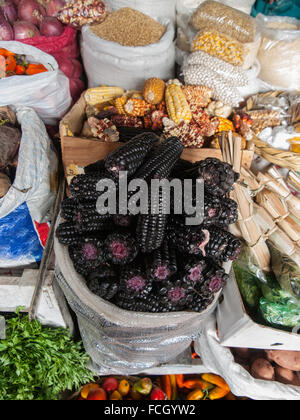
(6,32)
(51,27)
(31,11)
(9,10)
(24,30)
(70,67)
(54,6)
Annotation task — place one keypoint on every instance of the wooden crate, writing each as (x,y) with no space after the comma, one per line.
(79,152)
(52,308)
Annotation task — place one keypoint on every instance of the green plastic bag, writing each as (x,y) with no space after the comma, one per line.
(277,315)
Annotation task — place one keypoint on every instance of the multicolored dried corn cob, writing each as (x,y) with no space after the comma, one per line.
(176,102)
(102,94)
(137,107)
(154,90)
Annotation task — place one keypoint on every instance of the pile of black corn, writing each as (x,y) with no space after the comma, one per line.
(151,262)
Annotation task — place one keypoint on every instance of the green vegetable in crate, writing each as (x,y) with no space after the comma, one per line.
(275,294)
(286,271)
(38,363)
(286,316)
(248,286)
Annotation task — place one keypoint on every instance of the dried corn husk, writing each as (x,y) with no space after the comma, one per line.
(272,232)
(280,188)
(246,224)
(279,211)
(293,180)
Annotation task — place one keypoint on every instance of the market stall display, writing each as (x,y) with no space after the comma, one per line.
(127,275)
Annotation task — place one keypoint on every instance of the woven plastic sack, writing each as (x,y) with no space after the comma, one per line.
(122,342)
(108,63)
(47,93)
(65,50)
(279,53)
(25,211)
(153,8)
(220,360)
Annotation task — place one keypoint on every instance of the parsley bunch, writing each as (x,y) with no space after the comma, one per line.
(38,363)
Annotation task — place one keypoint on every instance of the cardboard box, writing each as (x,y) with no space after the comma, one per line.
(78,152)
(237,329)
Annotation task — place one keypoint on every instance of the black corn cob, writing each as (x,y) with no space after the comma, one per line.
(222,246)
(215,277)
(123,220)
(187,239)
(84,187)
(88,255)
(212,210)
(218,176)
(68,208)
(121,248)
(161,162)
(162,264)
(229,213)
(151,228)
(127,133)
(180,167)
(150,303)
(95,167)
(87,219)
(104,282)
(68,234)
(193,270)
(134,282)
(201,300)
(176,295)
(130,156)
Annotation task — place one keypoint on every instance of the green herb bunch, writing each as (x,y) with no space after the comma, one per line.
(38,363)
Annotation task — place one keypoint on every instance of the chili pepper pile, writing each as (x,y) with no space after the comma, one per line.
(207,386)
(12,64)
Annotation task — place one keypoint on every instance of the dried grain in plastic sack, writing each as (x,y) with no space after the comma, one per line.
(218,45)
(279,53)
(215,16)
(223,90)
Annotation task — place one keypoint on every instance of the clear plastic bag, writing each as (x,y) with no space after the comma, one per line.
(279,53)
(47,93)
(219,17)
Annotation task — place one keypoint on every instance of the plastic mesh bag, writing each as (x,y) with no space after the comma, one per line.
(219,17)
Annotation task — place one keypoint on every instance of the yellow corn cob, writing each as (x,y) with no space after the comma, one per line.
(137,107)
(176,102)
(119,104)
(137,95)
(154,90)
(224,124)
(102,94)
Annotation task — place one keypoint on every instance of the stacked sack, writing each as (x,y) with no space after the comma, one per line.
(222,52)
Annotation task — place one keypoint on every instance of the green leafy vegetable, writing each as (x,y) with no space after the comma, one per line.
(287,316)
(38,363)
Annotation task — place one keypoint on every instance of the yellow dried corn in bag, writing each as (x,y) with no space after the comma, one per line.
(220,46)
